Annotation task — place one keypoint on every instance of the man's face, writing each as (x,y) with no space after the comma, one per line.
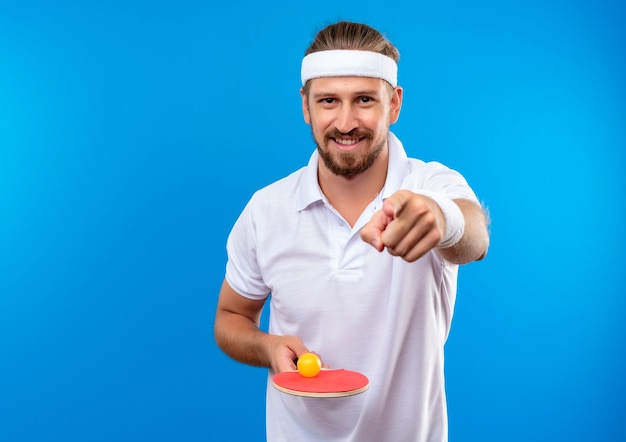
(350,119)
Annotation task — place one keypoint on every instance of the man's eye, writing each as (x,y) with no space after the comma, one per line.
(365,99)
(327,100)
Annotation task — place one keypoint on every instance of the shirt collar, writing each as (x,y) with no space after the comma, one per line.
(397,170)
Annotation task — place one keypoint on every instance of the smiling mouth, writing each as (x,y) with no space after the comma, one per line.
(346,142)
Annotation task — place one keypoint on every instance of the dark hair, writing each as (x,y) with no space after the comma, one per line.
(350,35)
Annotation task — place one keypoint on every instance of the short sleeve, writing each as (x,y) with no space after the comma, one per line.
(436,177)
(243,272)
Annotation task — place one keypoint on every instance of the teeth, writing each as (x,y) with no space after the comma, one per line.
(346,142)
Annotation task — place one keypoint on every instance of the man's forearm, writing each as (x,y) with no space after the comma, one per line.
(241,339)
(474,243)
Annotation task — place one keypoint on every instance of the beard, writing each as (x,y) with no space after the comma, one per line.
(349,164)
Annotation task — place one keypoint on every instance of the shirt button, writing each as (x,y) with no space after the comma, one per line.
(341,223)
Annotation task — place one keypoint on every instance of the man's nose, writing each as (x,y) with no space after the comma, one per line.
(346,119)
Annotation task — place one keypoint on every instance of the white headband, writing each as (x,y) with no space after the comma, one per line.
(349,63)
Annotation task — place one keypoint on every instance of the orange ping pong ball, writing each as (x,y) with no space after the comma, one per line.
(309,365)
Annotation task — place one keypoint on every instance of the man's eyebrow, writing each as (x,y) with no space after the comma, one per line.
(366,92)
(321,94)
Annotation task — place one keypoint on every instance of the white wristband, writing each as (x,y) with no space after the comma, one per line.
(455,222)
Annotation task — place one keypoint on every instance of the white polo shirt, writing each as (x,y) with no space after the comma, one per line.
(359,309)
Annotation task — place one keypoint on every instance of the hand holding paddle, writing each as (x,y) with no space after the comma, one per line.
(312,381)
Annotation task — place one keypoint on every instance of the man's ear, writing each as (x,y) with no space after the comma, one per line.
(396,104)
(305,107)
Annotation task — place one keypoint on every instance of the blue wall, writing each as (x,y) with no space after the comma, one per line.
(132,134)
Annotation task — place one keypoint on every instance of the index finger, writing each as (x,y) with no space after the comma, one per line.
(395,204)
(372,232)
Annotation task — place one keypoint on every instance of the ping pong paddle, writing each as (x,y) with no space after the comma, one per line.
(327,383)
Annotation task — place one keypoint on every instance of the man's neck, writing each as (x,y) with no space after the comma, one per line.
(351,195)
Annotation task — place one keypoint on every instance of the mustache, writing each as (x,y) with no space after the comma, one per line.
(354,133)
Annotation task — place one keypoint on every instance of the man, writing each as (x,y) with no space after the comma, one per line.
(359,251)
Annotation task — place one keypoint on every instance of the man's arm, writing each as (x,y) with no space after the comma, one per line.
(237,333)
(474,243)
(409,225)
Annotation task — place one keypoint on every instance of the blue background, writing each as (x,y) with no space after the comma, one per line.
(132,133)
